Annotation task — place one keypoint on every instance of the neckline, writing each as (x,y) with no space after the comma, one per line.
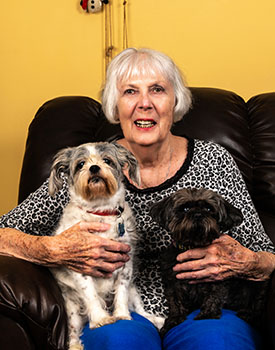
(182,170)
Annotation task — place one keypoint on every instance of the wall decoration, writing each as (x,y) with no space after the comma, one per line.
(109,30)
(93,5)
(125,25)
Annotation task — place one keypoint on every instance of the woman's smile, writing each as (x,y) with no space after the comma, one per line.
(145,123)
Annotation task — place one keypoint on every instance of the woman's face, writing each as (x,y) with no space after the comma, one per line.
(145,109)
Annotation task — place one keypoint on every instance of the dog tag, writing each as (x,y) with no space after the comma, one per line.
(121,228)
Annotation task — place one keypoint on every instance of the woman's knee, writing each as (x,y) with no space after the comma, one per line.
(136,334)
(229,332)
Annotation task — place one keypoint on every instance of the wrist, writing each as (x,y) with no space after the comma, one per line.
(43,252)
(262,267)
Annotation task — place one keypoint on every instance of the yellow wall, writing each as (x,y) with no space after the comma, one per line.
(52,48)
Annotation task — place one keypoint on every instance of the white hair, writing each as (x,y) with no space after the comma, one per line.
(134,62)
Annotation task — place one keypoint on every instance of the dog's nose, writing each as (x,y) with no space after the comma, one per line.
(94,169)
(197,215)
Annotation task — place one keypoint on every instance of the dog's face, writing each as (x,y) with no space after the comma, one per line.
(95,170)
(195,217)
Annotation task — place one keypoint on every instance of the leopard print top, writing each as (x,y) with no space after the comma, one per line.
(207,165)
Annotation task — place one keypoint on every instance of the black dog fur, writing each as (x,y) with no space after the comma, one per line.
(195,217)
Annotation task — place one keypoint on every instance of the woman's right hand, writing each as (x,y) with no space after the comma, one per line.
(80,249)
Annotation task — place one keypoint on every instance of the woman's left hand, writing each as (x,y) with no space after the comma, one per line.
(223,259)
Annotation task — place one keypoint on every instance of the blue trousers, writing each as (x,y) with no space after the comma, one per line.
(227,333)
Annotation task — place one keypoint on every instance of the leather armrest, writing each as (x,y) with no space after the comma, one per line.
(31,302)
(270,310)
(13,336)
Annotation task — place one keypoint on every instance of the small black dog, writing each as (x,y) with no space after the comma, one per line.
(195,217)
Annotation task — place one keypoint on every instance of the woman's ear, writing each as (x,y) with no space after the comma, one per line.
(116,117)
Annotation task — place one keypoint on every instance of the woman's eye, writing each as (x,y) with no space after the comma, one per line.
(158,89)
(129,92)
(80,165)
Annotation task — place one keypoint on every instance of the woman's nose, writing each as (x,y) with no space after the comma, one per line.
(144,101)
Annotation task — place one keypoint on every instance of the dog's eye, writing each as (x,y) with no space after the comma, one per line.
(107,161)
(80,165)
(184,209)
(208,208)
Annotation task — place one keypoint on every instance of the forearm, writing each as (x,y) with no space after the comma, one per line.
(24,246)
(76,248)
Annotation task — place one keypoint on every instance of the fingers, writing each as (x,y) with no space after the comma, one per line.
(108,261)
(192,254)
(115,257)
(107,244)
(109,268)
(113,246)
(207,264)
(190,262)
(203,275)
(93,226)
(98,262)
(224,258)
(191,269)
(82,250)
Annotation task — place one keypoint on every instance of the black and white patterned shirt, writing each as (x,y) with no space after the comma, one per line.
(207,165)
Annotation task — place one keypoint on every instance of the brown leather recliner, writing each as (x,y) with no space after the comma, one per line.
(32,313)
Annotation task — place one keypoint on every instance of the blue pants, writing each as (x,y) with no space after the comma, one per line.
(227,333)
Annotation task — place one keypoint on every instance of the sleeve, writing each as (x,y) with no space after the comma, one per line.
(232,187)
(39,214)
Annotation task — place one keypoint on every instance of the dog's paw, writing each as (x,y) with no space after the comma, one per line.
(123,317)
(76,347)
(122,313)
(102,322)
(207,315)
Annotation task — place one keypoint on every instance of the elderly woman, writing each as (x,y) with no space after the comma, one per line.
(145,93)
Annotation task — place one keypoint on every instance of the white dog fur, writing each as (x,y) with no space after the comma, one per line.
(95,177)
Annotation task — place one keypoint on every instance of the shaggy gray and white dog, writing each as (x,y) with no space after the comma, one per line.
(196,217)
(95,177)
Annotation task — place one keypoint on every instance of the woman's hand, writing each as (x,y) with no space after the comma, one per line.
(80,249)
(223,259)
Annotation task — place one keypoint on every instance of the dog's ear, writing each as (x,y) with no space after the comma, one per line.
(229,216)
(61,165)
(126,157)
(161,212)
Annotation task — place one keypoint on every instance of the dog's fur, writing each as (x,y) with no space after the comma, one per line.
(195,217)
(95,178)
